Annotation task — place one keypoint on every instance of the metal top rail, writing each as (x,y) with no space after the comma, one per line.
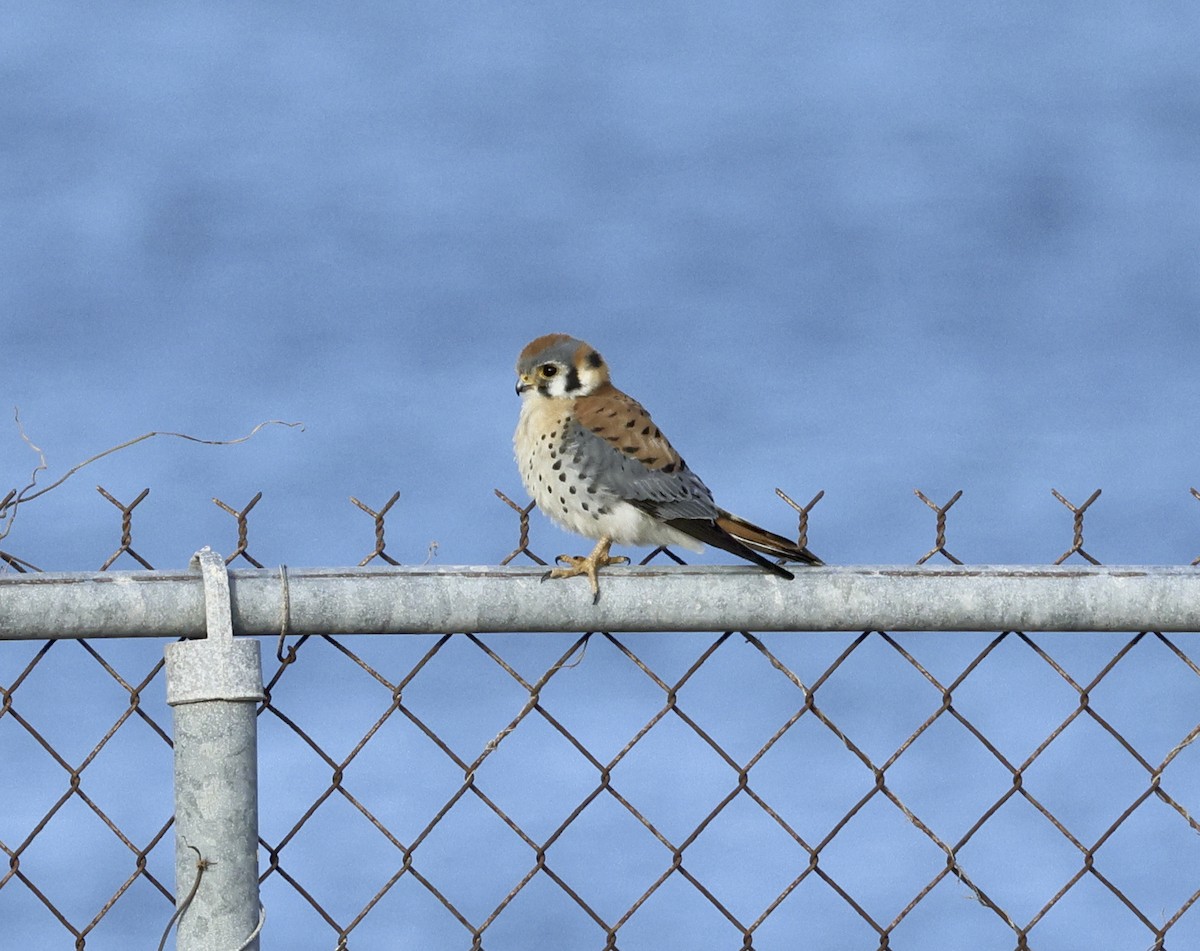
(500,599)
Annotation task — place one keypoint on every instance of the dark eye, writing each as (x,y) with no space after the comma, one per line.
(549,370)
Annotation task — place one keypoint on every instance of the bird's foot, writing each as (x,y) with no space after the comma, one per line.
(576,565)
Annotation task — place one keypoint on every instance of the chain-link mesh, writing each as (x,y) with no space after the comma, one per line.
(76,852)
(719,790)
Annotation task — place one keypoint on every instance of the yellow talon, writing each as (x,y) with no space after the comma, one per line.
(578,565)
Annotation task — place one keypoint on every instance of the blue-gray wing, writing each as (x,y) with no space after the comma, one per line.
(669,491)
(615,446)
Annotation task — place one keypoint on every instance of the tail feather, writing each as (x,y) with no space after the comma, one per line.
(707,531)
(761,540)
(741,538)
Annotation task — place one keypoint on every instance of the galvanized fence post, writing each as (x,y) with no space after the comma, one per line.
(213,687)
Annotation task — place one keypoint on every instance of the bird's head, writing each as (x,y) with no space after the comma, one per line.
(557,366)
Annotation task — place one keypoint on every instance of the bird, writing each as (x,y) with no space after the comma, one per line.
(593,460)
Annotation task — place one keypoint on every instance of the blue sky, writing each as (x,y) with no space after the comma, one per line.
(861,248)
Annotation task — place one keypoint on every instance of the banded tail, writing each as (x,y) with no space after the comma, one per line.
(760,539)
(746,540)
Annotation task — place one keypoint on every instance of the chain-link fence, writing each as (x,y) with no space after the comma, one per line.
(721,789)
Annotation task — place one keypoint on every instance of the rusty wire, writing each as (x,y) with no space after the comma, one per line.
(523,539)
(285,863)
(11,560)
(939,544)
(242,529)
(379,551)
(126,546)
(17,564)
(802,514)
(1078,513)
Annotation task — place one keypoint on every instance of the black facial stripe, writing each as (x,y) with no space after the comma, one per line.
(572,379)
(594,360)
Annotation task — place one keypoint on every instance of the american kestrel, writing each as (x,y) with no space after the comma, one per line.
(594,461)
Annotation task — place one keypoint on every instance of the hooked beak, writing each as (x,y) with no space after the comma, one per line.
(523,384)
